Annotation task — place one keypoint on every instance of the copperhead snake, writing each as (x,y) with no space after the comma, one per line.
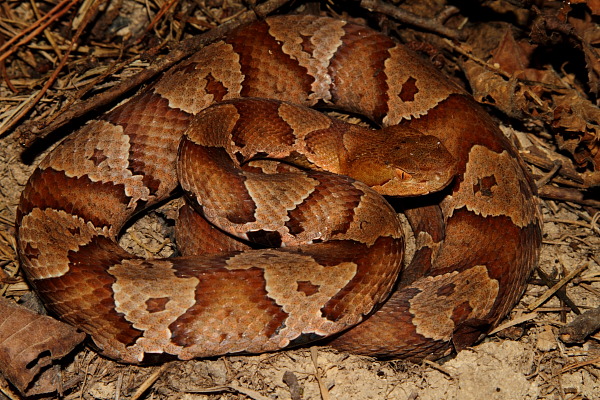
(477,239)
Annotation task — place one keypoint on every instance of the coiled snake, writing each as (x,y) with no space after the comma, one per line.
(477,239)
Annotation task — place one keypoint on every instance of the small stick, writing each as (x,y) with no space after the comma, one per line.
(595,360)
(536,157)
(165,7)
(548,176)
(47,33)
(513,322)
(555,288)
(566,194)
(228,388)
(322,387)
(409,18)
(560,293)
(150,381)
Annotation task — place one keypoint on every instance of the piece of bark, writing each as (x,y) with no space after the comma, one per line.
(29,342)
(290,379)
(581,327)
(567,194)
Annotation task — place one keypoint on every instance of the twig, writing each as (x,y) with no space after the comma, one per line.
(322,387)
(118,386)
(550,174)
(30,132)
(570,222)
(561,293)
(47,33)
(165,7)
(595,360)
(432,25)
(232,387)
(590,289)
(516,321)
(438,367)
(566,194)
(7,391)
(150,381)
(558,285)
(92,84)
(537,157)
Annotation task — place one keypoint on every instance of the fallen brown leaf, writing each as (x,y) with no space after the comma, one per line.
(577,124)
(589,33)
(512,56)
(29,342)
(491,88)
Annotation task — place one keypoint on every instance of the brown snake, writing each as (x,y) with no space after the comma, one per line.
(477,239)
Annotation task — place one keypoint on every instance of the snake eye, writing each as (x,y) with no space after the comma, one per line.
(402,175)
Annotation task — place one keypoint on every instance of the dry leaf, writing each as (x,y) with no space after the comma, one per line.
(29,342)
(491,88)
(593,5)
(589,33)
(511,56)
(577,123)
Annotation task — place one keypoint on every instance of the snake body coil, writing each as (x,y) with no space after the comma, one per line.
(477,240)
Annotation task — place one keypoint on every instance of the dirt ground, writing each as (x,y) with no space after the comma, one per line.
(524,361)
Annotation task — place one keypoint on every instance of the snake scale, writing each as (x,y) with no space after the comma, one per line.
(299,243)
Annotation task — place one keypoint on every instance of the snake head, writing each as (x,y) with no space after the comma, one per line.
(399,161)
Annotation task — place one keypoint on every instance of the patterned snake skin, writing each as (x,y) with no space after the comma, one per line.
(300,244)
